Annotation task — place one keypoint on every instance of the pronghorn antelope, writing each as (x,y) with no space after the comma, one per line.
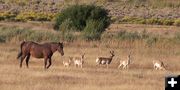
(78,61)
(105,60)
(158,65)
(125,63)
(67,63)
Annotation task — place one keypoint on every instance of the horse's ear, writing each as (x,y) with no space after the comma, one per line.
(60,42)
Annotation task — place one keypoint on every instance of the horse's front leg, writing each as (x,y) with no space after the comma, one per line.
(45,63)
(49,63)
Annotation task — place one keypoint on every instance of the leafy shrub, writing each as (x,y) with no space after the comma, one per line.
(33,16)
(69,36)
(81,14)
(144,35)
(2,39)
(154,3)
(153,21)
(126,19)
(7,16)
(177,22)
(106,36)
(25,16)
(167,21)
(42,16)
(123,35)
(9,34)
(67,25)
(16,34)
(67,29)
(38,36)
(93,30)
(141,21)
(151,40)
(114,19)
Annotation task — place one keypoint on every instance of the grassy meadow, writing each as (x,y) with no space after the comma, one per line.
(139,76)
(147,29)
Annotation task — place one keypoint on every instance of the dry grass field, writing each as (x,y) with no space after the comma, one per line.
(139,76)
(149,30)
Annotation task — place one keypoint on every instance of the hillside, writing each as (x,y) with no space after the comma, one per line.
(131,11)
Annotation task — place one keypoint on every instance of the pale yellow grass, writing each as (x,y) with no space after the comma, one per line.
(48,26)
(139,76)
(163,30)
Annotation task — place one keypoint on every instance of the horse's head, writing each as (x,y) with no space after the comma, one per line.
(60,48)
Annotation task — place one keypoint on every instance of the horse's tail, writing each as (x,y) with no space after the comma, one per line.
(20,53)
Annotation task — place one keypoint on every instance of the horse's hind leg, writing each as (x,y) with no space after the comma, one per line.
(21,61)
(49,63)
(27,60)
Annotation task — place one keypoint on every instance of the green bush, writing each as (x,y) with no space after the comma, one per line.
(141,21)
(69,36)
(8,34)
(144,35)
(25,16)
(151,40)
(133,20)
(123,35)
(41,36)
(38,36)
(177,22)
(7,16)
(2,39)
(114,19)
(153,21)
(93,30)
(67,25)
(34,16)
(126,19)
(66,30)
(16,34)
(81,14)
(154,3)
(167,21)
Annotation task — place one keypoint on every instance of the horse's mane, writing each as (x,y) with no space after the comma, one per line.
(50,43)
(43,42)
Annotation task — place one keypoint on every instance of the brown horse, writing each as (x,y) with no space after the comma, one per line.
(46,50)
